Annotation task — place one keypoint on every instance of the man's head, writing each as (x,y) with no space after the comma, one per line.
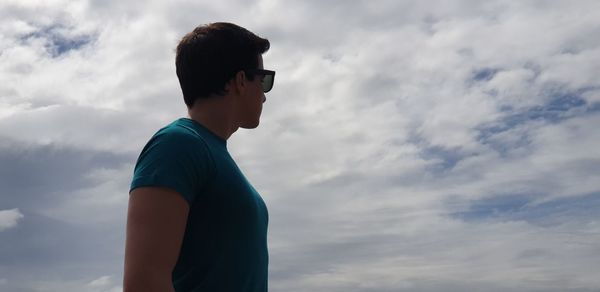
(212,55)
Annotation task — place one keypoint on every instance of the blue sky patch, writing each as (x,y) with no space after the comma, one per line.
(555,110)
(448,157)
(522,208)
(484,74)
(501,205)
(57,43)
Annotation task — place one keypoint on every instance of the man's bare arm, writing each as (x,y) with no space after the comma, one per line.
(156,221)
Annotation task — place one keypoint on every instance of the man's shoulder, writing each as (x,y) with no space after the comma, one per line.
(177,138)
(180,131)
(177,158)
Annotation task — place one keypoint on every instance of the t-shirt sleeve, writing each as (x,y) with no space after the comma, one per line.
(177,161)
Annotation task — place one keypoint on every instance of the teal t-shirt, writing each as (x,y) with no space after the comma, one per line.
(225,242)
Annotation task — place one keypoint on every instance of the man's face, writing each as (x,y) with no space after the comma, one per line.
(253,100)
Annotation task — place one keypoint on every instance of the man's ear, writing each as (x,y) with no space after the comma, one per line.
(239,82)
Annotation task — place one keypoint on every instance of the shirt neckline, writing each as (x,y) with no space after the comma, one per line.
(205,129)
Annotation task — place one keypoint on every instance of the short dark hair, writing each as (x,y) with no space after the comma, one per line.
(209,56)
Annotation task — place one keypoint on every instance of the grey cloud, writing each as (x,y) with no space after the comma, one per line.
(41,178)
(38,175)
(44,249)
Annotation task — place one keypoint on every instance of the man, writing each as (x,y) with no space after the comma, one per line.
(194,222)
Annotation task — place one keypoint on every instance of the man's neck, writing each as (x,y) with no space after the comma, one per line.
(216,114)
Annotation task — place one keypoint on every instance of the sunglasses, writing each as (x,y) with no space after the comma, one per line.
(267,80)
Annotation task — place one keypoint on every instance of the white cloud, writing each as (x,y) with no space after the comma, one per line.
(104,284)
(9,218)
(102,281)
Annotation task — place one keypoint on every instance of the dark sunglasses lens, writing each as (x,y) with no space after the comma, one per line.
(267,83)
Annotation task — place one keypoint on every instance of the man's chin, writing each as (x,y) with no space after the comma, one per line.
(250,126)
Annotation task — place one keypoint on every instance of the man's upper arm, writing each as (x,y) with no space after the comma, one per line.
(156,221)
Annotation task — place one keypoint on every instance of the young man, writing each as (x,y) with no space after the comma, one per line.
(194,222)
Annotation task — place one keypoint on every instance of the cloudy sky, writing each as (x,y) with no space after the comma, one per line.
(406,146)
